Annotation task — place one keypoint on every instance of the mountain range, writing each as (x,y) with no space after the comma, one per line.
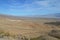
(52,15)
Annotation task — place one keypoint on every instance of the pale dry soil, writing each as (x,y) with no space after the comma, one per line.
(28,28)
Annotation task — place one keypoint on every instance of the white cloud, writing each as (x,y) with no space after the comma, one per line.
(42,3)
(34,6)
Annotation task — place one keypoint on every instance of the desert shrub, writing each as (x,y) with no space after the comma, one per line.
(18,37)
(3,34)
(24,38)
(39,38)
(6,34)
(55,33)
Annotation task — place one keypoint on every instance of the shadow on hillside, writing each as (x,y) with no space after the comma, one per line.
(57,23)
(55,33)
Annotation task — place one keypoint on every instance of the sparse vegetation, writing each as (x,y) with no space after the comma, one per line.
(57,23)
(3,33)
(39,38)
(6,34)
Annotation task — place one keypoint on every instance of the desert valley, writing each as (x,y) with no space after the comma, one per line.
(14,28)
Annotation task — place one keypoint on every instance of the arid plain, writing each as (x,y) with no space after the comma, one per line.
(12,28)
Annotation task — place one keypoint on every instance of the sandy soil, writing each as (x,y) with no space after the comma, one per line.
(28,28)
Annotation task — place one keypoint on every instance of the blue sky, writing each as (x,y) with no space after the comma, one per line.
(29,7)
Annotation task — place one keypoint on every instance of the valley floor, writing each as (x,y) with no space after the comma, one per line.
(26,29)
